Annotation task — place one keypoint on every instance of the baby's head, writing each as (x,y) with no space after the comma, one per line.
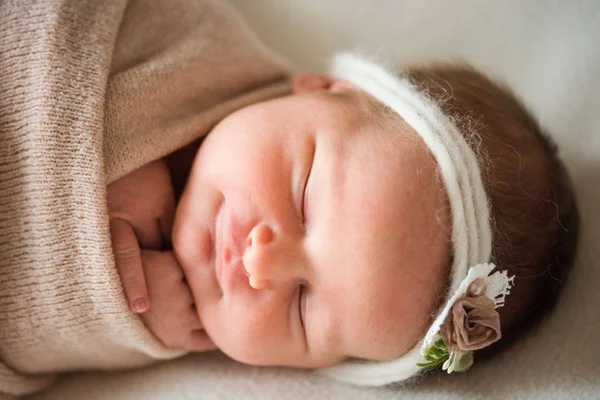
(317,228)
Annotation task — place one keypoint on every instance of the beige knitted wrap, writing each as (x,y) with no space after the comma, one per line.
(89,91)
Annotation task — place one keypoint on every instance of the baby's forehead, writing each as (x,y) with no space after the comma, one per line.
(389,245)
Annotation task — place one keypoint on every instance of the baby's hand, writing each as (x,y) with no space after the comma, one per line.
(128,260)
(172,317)
(141,207)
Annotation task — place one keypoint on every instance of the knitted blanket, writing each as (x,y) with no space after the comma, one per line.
(89,91)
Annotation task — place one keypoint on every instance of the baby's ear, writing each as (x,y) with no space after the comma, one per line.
(311,81)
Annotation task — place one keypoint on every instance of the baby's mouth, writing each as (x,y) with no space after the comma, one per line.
(231,243)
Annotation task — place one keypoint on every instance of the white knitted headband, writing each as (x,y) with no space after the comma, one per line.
(471,231)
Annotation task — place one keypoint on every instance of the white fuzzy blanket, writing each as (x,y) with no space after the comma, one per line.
(549,52)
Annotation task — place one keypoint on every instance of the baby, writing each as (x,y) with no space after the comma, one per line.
(156,157)
(408,220)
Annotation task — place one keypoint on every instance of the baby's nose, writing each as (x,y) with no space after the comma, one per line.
(260,236)
(268,257)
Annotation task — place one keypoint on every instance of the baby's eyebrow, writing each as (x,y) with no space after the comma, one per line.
(335,317)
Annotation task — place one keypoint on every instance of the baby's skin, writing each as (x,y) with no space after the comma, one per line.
(308,232)
(141,208)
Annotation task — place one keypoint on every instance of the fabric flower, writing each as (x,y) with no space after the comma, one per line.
(468,321)
(473,322)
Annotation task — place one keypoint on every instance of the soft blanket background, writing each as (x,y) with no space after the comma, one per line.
(549,52)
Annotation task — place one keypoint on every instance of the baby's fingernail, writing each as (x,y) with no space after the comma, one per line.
(140,305)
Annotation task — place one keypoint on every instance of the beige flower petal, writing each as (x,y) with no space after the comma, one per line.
(472,325)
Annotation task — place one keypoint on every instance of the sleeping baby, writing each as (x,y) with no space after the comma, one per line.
(166,187)
(409,219)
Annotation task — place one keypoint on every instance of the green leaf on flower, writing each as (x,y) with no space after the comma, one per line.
(436,354)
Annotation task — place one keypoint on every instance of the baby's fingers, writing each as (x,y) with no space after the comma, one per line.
(129,263)
(200,341)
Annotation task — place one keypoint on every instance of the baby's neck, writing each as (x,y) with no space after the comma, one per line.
(180,163)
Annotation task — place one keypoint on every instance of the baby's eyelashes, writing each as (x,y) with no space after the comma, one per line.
(305,191)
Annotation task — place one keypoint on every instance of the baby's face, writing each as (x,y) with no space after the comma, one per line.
(309,234)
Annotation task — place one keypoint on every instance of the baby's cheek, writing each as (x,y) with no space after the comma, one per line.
(246,338)
(239,341)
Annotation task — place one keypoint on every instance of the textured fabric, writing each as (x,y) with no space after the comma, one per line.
(90,91)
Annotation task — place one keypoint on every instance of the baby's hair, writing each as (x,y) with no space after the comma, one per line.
(534,216)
